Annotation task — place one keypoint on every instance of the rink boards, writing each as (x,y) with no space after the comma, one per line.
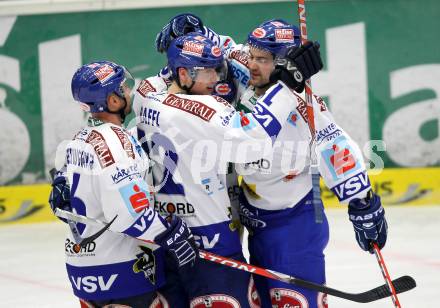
(397,187)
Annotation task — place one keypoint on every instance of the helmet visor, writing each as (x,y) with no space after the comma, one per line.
(210,74)
(126,88)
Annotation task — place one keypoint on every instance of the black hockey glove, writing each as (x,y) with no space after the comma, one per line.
(297,66)
(369,223)
(60,194)
(178,25)
(179,242)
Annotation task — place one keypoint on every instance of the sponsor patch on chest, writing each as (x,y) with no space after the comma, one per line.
(195,108)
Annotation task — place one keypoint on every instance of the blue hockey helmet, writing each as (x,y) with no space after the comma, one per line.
(275,36)
(193,51)
(92,83)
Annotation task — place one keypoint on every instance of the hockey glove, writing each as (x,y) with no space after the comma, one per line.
(60,194)
(297,66)
(178,25)
(179,242)
(369,223)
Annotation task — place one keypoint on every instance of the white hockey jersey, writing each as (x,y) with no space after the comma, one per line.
(106,168)
(282,178)
(191,138)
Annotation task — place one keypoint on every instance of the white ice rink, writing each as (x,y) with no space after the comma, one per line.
(32,272)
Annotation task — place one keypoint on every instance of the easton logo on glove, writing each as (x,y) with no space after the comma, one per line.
(177,235)
(367,217)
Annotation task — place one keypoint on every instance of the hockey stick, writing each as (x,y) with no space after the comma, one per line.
(316,191)
(79,241)
(401,284)
(385,275)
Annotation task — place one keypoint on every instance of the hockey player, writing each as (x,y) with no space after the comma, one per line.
(105,167)
(276,197)
(276,194)
(192,136)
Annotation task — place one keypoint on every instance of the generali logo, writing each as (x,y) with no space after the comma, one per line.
(195,108)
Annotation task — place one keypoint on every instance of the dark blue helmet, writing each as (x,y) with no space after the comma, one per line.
(92,83)
(193,50)
(275,36)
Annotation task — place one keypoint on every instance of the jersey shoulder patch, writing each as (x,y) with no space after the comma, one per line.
(145,87)
(124,139)
(102,150)
(151,84)
(302,107)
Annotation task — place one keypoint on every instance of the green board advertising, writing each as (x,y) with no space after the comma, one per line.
(382,66)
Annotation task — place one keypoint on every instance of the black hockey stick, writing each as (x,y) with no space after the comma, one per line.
(401,284)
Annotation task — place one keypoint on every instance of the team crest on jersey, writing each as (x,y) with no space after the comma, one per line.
(145,87)
(259,33)
(284,35)
(215,300)
(136,197)
(281,298)
(147,265)
(216,51)
(191,48)
(104,73)
(125,141)
(222,88)
(102,150)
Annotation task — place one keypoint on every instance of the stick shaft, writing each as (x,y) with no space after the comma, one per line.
(386,275)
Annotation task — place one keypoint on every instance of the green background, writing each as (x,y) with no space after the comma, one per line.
(398,35)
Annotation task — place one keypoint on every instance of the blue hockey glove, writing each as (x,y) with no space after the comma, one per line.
(179,242)
(178,25)
(60,194)
(369,223)
(298,65)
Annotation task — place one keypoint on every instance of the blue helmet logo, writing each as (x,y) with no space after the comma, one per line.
(275,36)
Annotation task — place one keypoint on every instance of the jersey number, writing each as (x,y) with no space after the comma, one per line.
(166,183)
